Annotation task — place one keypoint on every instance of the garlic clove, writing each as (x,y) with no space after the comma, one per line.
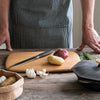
(39,72)
(44,70)
(44,75)
(98,60)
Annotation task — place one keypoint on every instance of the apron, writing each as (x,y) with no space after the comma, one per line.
(41,24)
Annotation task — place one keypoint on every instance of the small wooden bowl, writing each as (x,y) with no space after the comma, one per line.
(13,91)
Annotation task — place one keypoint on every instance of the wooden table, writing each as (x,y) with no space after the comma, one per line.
(57,86)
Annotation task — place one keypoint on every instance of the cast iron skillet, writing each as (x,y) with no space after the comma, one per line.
(89,84)
(88,72)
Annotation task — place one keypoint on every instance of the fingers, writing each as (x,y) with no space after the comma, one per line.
(8,45)
(1,43)
(81,47)
(95,47)
(99,42)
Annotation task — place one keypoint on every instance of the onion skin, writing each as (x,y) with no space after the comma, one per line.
(63,53)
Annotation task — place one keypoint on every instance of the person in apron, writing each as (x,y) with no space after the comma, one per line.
(45,24)
(41,24)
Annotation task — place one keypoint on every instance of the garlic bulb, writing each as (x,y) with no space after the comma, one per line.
(42,74)
(30,73)
(2,79)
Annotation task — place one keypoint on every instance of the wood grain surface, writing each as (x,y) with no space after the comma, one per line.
(57,86)
(40,63)
(62,86)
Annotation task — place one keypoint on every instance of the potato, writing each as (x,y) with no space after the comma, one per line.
(55,60)
(8,81)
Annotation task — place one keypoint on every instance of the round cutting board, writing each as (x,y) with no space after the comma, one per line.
(40,63)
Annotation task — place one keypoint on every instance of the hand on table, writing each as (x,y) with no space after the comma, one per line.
(90,38)
(5,38)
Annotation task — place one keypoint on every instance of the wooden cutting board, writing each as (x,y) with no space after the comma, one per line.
(40,63)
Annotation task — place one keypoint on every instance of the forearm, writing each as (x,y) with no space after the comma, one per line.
(89,37)
(4,9)
(88,13)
